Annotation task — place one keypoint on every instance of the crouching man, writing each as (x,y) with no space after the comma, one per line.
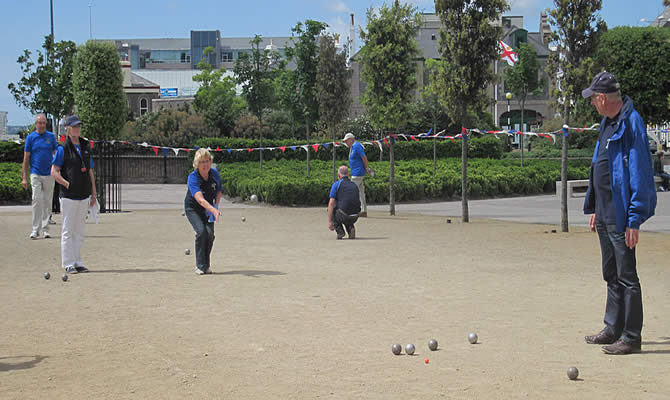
(344,205)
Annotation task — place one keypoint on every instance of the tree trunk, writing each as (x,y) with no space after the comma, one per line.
(564,174)
(464,177)
(434,149)
(308,146)
(521,128)
(334,160)
(261,147)
(392,178)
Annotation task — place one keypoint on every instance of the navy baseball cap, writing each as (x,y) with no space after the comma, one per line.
(72,120)
(604,82)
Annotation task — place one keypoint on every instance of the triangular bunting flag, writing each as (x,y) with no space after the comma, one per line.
(282,148)
(315,147)
(155,149)
(325,145)
(413,138)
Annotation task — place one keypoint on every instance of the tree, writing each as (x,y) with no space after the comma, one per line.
(168,128)
(430,102)
(332,87)
(577,30)
(285,88)
(468,47)
(306,55)
(98,90)
(216,98)
(638,57)
(254,73)
(47,86)
(388,66)
(522,79)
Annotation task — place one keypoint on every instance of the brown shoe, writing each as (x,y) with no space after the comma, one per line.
(363,214)
(620,348)
(602,337)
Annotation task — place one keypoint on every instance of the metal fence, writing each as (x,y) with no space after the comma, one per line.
(150,168)
(107,176)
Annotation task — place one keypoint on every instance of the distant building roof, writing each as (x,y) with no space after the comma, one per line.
(138,81)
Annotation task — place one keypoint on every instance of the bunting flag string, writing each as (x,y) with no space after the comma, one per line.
(380,143)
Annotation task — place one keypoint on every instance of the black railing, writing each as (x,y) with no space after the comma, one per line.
(107,171)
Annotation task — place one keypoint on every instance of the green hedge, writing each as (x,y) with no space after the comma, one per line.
(480,147)
(550,153)
(285,182)
(11,190)
(11,152)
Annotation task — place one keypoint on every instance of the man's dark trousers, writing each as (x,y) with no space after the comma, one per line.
(623,312)
(343,219)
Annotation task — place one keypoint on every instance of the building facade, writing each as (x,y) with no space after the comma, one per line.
(163,69)
(3,123)
(537,108)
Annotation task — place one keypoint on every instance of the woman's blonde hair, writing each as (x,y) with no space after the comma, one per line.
(199,155)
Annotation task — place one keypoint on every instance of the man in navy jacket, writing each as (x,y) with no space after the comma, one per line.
(620,197)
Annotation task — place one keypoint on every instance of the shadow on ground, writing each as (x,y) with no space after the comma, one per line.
(130,271)
(4,366)
(250,272)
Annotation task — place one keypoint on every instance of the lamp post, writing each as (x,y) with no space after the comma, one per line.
(508,96)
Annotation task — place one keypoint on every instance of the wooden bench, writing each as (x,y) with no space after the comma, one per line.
(582,184)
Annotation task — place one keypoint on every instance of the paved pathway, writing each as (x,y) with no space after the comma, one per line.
(545,209)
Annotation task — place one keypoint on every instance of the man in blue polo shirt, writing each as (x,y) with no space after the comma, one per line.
(621,196)
(37,154)
(358,162)
(344,205)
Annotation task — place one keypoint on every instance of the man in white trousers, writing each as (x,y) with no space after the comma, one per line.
(37,154)
(358,162)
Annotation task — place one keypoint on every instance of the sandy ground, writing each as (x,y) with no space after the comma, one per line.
(291,313)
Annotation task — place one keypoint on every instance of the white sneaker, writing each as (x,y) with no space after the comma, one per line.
(208,271)
(198,271)
(34,235)
(47,235)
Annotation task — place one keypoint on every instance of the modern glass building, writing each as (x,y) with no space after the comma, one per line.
(186,53)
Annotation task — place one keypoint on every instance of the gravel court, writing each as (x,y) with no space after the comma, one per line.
(292,313)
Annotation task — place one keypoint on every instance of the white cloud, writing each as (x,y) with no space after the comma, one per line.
(337,6)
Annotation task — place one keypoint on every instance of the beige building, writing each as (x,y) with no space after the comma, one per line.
(537,107)
(139,91)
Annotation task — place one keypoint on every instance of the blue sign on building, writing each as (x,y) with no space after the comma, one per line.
(169,92)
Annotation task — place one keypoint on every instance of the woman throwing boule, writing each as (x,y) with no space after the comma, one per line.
(201,207)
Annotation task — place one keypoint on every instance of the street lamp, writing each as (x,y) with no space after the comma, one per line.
(508,96)
(508,146)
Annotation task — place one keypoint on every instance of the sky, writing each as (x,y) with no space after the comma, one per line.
(26,22)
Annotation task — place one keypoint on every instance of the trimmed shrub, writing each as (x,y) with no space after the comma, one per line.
(11,190)
(11,152)
(284,182)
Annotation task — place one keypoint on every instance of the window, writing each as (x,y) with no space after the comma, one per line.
(144,106)
(226,56)
(433,37)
